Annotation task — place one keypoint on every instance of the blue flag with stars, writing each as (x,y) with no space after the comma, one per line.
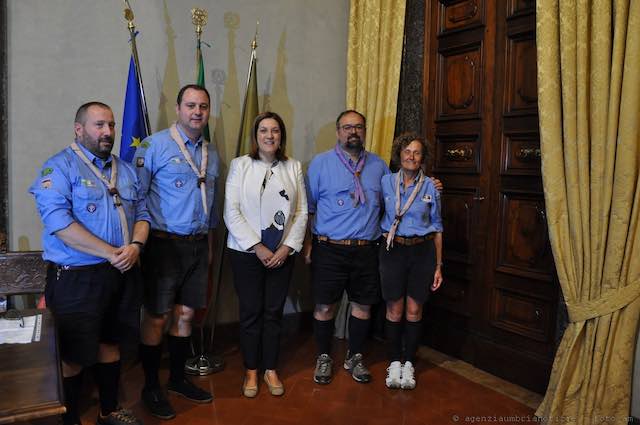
(133,129)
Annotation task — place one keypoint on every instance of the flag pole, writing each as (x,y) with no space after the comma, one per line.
(128,15)
(254,45)
(202,364)
(199,19)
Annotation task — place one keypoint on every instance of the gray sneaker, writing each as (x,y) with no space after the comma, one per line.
(324,368)
(356,368)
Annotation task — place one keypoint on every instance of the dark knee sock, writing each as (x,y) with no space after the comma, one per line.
(393,333)
(358,331)
(107,376)
(412,335)
(150,357)
(179,351)
(72,390)
(323,332)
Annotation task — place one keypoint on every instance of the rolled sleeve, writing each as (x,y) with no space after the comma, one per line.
(52,193)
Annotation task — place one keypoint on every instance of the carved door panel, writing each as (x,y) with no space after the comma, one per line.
(497,307)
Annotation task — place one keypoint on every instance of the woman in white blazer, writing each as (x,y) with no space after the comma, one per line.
(265,211)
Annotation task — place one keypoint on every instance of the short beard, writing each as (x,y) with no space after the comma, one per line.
(355,144)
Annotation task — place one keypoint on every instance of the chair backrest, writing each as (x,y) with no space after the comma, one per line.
(22,273)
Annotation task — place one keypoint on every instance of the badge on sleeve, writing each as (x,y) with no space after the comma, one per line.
(426,198)
(46,171)
(340,202)
(45,183)
(179,183)
(91,207)
(139,161)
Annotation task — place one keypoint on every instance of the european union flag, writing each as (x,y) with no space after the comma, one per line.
(133,120)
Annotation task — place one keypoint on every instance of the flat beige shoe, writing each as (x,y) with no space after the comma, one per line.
(274,389)
(249,391)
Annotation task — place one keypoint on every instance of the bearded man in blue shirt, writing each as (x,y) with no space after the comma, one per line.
(344,196)
(95,224)
(177,170)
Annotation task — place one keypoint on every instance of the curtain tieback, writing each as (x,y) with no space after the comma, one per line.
(608,303)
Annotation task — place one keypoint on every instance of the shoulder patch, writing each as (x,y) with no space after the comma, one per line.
(45,183)
(139,161)
(145,143)
(46,171)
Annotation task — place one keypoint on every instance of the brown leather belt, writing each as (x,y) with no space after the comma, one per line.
(166,235)
(414,240)
(345,242)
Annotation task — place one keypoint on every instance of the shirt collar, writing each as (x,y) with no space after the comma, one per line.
(414,182)
(186,138)
(94,159)
(346,154)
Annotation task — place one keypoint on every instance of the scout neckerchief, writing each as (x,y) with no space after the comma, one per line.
(356,170)
(401,212)
(111,185)
(202,173)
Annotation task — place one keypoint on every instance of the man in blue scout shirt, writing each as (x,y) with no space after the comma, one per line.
(90,204)
(344,197)
(177,170)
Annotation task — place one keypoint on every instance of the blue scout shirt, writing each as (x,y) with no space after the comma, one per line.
(67,190)
(423,216)
(330,188)
(171,187)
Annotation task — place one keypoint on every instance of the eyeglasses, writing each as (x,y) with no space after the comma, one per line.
(348,127)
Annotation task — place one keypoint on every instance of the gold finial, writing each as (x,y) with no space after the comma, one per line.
(254,42)
(199,19)
(128,14)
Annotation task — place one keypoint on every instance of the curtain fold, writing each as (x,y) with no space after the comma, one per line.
(589,108)
(376,33)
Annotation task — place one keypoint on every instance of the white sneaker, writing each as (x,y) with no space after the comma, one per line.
(394,375)
(408,381)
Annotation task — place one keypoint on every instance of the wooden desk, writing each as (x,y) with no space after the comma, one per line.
(30,376)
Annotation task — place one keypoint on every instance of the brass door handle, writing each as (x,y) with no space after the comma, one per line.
(461,154)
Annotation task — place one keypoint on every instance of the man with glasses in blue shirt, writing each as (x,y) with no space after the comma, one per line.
(95,224)
(178,171)
(344,196)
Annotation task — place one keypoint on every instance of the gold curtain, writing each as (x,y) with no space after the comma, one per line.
(376,31)
(589,104)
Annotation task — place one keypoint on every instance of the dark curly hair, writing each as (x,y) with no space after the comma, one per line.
(404,140)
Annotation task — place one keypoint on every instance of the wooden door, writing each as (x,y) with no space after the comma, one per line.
(497,308)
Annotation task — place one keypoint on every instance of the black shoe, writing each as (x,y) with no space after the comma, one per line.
(157,403)
(65,420)
(190,391)
(119,417)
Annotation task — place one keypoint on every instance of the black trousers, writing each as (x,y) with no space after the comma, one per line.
(261,294)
